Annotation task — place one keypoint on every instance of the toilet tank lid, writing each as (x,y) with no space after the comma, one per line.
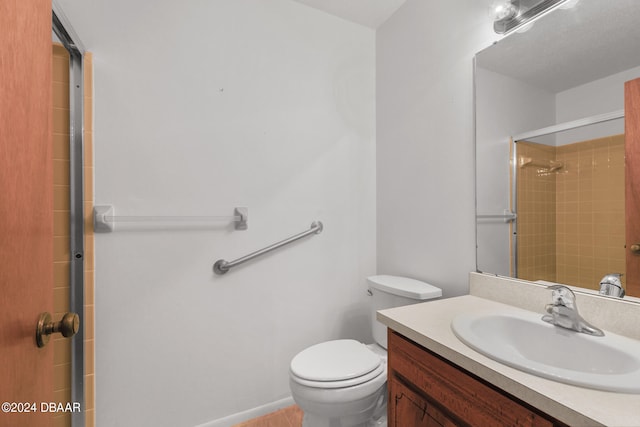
(404,286)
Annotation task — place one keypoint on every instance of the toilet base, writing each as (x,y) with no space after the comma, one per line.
(311,420)
(369,410)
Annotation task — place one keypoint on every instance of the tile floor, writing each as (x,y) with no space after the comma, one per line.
(290,416)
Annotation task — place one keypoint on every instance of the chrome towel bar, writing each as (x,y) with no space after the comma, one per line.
(221,266)
(507,216)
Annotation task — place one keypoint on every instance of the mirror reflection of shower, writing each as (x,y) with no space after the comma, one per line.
(548,167)
(569,197)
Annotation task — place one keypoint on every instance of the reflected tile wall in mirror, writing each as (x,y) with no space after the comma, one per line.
(571,211)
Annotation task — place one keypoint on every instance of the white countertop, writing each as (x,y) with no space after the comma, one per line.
(428,324)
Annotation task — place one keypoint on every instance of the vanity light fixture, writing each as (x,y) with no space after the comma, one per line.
(510,15)
(504,10)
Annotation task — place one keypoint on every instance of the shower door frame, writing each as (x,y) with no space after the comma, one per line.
(69,39)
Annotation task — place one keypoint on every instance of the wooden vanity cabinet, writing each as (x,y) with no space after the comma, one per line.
(426,390)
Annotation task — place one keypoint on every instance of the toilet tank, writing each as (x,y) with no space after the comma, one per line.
(394,291)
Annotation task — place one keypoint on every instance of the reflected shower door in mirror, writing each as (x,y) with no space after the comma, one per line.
(557,90)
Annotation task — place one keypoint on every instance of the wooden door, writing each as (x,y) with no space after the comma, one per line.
(632,183)
(26,222)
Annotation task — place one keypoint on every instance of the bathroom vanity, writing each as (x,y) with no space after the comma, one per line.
(426,390)
(436,380)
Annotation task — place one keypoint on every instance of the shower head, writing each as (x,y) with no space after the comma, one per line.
(552,166)
(555,166)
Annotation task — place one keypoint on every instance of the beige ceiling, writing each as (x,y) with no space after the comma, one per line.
(370,13)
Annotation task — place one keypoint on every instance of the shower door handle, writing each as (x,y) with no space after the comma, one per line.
(68,326)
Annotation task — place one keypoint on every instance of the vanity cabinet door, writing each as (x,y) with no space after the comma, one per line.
(408,408)
(434,385)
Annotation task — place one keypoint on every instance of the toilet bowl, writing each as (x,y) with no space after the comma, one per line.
(340,380)
(343,383)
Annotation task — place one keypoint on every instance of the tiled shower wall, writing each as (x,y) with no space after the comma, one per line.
(590,211)
(61,182)
(572,218)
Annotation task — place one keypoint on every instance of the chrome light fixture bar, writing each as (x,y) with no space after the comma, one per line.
(518,15)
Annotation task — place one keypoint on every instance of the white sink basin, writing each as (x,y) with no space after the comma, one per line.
(523,341)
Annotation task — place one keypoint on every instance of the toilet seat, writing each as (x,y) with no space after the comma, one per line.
(380,370)
(336,364)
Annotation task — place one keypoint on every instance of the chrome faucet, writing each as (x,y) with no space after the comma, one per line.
(563,312)
(611,285)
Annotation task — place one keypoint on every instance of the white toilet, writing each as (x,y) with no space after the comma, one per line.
(343,383)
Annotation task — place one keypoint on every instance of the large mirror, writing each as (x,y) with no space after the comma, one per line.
(550,168)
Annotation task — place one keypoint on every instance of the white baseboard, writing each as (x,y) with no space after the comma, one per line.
(251,413)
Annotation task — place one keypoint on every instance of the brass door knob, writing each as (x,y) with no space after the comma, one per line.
(68,326)
(635,248)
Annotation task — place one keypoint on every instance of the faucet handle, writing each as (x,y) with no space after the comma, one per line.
(612,278)
(563,312)
(563,296)
(612,285)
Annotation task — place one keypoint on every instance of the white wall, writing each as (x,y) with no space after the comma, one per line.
(425,158)
(202,106)
(598,97)
(505,107)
